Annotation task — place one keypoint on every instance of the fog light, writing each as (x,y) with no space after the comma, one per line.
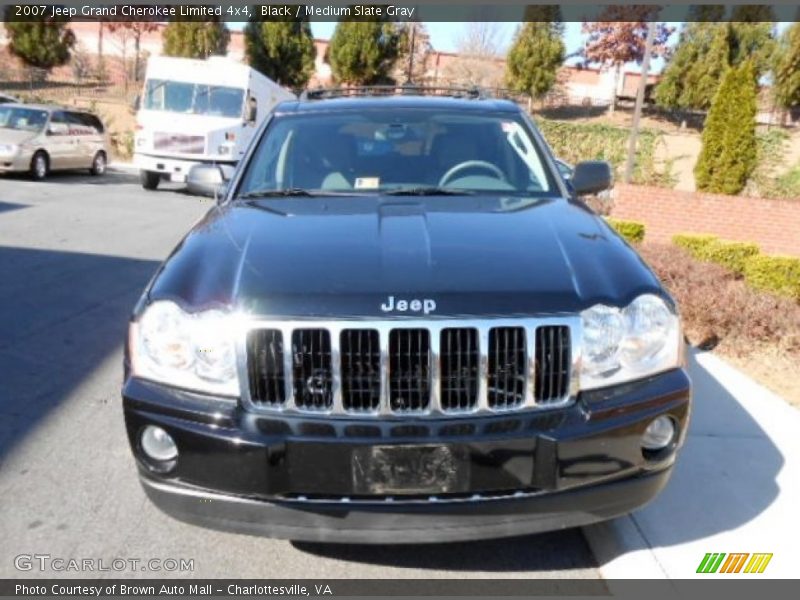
(158,444)
(659,434)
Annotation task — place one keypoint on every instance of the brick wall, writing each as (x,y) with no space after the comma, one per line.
(773,224)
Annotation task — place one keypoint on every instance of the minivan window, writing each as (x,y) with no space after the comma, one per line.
(84,123)
(193,98)
(377,151)
(25,119)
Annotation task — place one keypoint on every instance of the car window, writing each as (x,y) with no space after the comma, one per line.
(25,119)
(378,151)
(85,123)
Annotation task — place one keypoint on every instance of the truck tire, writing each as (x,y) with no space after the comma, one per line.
(149,179)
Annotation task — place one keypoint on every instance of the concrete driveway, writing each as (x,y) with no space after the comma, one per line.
(75,253)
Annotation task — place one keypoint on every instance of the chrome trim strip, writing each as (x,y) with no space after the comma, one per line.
(384,327)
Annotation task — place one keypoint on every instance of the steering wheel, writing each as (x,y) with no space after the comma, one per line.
(471,164)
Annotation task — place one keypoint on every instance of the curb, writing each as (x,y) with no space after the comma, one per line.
(622,552)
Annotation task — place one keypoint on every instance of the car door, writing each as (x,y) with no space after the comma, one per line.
(60,145)
(81,134)
(95,135)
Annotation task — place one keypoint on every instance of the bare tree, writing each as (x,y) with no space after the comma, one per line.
(477,63)
(479,39)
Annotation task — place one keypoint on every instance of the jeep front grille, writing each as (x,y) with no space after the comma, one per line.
(447,367)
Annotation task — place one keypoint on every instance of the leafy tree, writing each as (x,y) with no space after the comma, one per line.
(195,39)
(620,40)
(695,69)
(786,68)
(133,30)
(728,156)
(42,43)
(536,55)
(752,36)
(363,52)
(283,50)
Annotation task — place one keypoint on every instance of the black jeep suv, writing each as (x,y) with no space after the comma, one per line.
(400,324)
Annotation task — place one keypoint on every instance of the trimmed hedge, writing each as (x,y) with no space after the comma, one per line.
(632,231)
(695,243)
(777,274)
(731,255)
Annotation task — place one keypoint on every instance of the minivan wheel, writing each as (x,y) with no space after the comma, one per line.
(98,164)
(149,179)
(39,166)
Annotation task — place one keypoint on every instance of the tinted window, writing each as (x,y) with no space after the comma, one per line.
(386,150)
(84,123)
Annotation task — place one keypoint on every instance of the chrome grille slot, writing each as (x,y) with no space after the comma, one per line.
(409,370)
(312,375)
(552,366)
(265,367)
(459,357)
(432,367)
(507,367)
(360,355)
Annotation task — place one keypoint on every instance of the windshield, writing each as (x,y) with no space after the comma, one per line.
(24,119)
(193,98)
(398,151)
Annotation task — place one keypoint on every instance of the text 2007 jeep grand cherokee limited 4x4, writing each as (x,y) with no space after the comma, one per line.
(399,324)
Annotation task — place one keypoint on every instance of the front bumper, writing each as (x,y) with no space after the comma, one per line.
(16,163)
(174,169)
(292,477)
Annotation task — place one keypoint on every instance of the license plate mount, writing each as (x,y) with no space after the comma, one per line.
(407,470)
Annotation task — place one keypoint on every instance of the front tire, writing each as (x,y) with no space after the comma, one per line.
(99,164)
(40,166)
(149,179)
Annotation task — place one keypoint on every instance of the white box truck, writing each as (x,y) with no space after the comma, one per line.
(198,112)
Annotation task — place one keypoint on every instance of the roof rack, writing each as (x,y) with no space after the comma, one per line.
(406,89)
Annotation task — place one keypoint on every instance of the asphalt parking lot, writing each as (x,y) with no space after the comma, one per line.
(75,253)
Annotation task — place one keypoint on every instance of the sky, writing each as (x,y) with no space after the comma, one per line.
(444,37)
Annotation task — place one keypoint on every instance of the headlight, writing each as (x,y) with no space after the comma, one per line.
(9,149)
(193,351)
(624,344)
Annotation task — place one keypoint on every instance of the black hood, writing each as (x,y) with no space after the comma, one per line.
(345,256)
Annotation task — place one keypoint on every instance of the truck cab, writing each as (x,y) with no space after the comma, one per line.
(198,112)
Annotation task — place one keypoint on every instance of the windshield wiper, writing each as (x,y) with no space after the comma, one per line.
(428,191)
(289,192)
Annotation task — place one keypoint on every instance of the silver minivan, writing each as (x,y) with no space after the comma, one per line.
(38,139)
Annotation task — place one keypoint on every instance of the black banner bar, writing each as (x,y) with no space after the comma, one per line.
(437,11)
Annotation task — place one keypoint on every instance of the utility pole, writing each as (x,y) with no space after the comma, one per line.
(412,44)
(637,111)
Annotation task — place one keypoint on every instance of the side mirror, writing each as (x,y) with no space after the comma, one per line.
(208,180)
(591,177)
(57,129)
(252,111)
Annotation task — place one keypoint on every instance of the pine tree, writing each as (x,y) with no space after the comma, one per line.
(786,68)
(283,50)
(195,39)
(752,36)
(535,57)
(695,69)
(363,52)
(728,155)
(40,43)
